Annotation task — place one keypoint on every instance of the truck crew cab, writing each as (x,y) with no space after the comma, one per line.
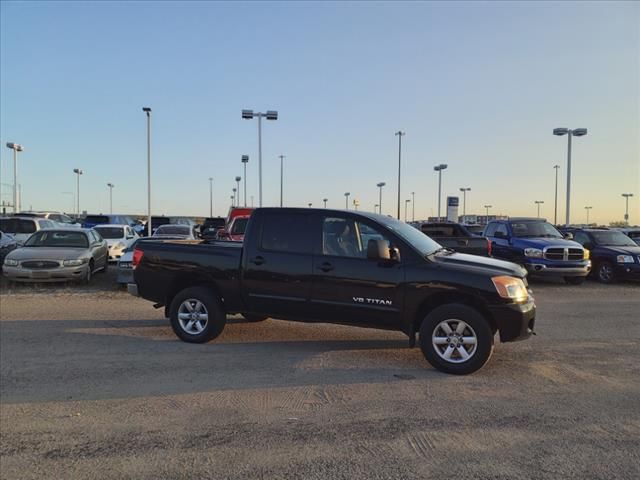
(353,268)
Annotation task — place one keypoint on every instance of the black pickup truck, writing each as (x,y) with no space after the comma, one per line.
(456,237)
(353,268)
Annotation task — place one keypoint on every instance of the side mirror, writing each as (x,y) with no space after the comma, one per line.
(378,250)
(568,236)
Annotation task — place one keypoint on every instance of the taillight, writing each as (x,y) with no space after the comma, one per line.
(137,257)
(488,247)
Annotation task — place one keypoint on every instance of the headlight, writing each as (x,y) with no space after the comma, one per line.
(510,287)
(533,252)
(10,263)
(73,263)
(625,258)
(586,254)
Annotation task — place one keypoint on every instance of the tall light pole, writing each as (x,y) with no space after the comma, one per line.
(147,110)
(555,205)
(310,204)
(487,207)
(464,191)
(346,200)
(281,177)
(269,115)
(234,196)
(16,148)
(399,134)
(233,201)
(413,206)
(439,169)
(538,203)
(375,208)
(380,185)
(576,132)
(110,185)
(238,178)
(210,197)
(587,209)
(325,200)
(78,172)
(406,202)
(245,160)
(626,210)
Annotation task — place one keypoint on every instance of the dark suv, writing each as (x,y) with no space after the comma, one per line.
(614,255)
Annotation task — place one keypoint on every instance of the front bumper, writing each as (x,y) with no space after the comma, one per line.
(60,274)
(559,269)
(515,321)
(629,271)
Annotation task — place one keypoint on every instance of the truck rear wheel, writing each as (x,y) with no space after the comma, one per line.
(456,339)
(196,315)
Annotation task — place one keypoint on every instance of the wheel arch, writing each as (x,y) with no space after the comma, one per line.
(182,282)
(443,298)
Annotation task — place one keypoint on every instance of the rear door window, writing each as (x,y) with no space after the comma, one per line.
(286,233)
(491,229)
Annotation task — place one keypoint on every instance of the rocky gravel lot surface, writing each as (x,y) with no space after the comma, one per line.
(93,384)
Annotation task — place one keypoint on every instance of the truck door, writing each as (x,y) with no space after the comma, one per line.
(500,247)
(278,264)
(348,287)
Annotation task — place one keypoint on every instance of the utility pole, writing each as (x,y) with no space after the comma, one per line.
(399,134)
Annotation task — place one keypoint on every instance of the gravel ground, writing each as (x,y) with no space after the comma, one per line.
(94,384)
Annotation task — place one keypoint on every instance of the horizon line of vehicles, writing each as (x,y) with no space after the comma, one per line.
(532,243)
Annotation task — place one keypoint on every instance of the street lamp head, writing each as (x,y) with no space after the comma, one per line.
(442,166)
(560,131)
(627,195)
(110,185)
(381,184)
(463,189)
(325,199)
(211,179)
(78,171)
(400,133)
(247,114)
(407,200)
(488,206)
(556,167)
(271,115)
(579,132)
(346,194)
(15,146)
(238,179)
(245,159)
(538,201)
(146,110)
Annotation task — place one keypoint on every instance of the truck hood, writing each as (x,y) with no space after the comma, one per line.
(543,242)
(489,265)
(621,250)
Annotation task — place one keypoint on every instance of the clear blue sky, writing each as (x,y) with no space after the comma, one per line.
(478,86)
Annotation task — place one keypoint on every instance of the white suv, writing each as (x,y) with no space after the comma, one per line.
(118,237)
(22,228)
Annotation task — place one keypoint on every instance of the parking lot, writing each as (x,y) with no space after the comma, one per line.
(95,385)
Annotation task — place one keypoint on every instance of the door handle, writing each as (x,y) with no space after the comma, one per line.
(326,267)
(257,261)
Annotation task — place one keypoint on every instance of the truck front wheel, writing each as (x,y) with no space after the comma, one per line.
(456,339)
(196,315)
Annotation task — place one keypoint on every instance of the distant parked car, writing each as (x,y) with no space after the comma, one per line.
(184,232)
(614,255)
(62,220)
(236,224)
(21,228)
(456,237)
(7,244)
(210,227)
(118,237)
(155,223)
(58,255)
(91,221)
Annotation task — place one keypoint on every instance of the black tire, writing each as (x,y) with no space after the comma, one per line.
(215,322)
(250,317)
(605,272)
(479,328)
(87,277)
(574,280)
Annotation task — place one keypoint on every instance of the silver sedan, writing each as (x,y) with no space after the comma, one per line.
(58,255)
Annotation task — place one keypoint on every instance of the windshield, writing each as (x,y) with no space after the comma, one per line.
(111,232)
(55,238)
(173,230)
(534,229)
(239,226)
(17,225)
(419,241)
(613,239)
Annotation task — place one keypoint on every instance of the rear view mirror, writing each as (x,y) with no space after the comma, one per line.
(378,250)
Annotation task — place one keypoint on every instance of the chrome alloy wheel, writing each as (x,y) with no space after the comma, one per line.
(454,341)
(193,316)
